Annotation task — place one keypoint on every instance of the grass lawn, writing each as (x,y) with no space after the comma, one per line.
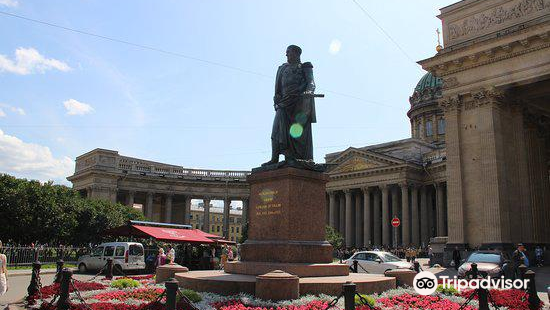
(45,266)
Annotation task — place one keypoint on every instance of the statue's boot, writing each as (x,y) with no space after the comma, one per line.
(274,156)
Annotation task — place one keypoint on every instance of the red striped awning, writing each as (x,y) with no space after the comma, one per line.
(174,234)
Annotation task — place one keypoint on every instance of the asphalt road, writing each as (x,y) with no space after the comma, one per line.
(17,286)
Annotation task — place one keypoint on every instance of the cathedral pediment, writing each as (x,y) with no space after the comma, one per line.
(356,160)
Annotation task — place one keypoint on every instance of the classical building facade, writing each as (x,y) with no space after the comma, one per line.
(495,68)
(216,221)
(403,179)
(164,191)
(475,171)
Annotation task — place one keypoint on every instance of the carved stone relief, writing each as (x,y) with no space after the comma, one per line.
(494,17)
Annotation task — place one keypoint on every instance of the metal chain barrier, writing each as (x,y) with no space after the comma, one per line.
(187,304)
(156,301)
(364,301)
(79,296)
(468,300)
(99,273)
(334,301)
(492,300)
(118,267)
(362,268)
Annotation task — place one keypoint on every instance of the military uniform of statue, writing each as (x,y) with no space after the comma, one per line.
(295,109)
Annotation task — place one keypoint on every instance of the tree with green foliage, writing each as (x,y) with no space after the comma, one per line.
(34,212)
(334,237)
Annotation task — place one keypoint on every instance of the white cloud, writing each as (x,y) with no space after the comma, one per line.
(10,3)
(31,160)
(2,113)
(335,46)
(75,107)
(13,109)
(28,61)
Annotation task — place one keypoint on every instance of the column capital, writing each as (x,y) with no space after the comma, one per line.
(331,193)
(366,189)
(384,187)
(347,191)
(133,192)
(171,195)
(439,185)
(150,193)
(404,184)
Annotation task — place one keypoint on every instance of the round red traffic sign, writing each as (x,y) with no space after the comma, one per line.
(395,222)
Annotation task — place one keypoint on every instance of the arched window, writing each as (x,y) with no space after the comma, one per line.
(441,126)
(429,130)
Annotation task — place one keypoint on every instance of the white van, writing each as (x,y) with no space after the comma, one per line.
(125,255)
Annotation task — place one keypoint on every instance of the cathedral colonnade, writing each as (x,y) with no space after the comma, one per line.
(170,207)
(363,215)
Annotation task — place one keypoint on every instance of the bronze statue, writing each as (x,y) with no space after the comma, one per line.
(294,110)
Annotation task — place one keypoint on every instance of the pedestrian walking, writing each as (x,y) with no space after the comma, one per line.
(456,257)
(3,272)
(539,256)
(518,258)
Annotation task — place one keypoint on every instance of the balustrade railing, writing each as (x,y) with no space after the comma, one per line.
(132,164)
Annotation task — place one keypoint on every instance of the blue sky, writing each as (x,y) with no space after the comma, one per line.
(64,93)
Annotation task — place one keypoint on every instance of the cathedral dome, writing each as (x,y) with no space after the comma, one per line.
(427,89)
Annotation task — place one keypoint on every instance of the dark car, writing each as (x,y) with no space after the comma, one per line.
(489,263)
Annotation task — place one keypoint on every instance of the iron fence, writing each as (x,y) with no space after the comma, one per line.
(25,256)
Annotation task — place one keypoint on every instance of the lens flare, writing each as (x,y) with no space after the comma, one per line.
(296,130)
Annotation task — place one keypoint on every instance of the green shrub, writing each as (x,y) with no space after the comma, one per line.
(370,300)
(125,283)
(192,295)
(450,290)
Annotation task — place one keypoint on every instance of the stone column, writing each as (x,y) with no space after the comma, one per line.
(226,208)
(168,208)
(342,214)
(455,202)
(493,170)
(332,209)
(367,218)
(206,219)
(349,219)
(149,205)
(415,221)
(377,224)
(395,206)
(187,211)
(440,188)
(424,220)
(358,220)
(405,220)
(245,211)
(386,237)
(130,198)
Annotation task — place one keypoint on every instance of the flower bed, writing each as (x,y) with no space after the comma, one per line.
(145,294)
(99,295)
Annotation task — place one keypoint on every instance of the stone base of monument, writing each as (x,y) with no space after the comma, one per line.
(286,232)
(277,285)
(298,269)
(403,277)
(219,282)
(168,271)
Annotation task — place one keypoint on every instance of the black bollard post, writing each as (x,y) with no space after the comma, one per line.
(171,290)
(59,267)
(64,302)
(473,271)
(483,300)
(416,266)
(355,266)
(522,270)
(349,295)
(533,299)
(34,286)
(109,269)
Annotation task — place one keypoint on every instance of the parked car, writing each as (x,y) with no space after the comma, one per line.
(377,262)
(489,263)
(125,255)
